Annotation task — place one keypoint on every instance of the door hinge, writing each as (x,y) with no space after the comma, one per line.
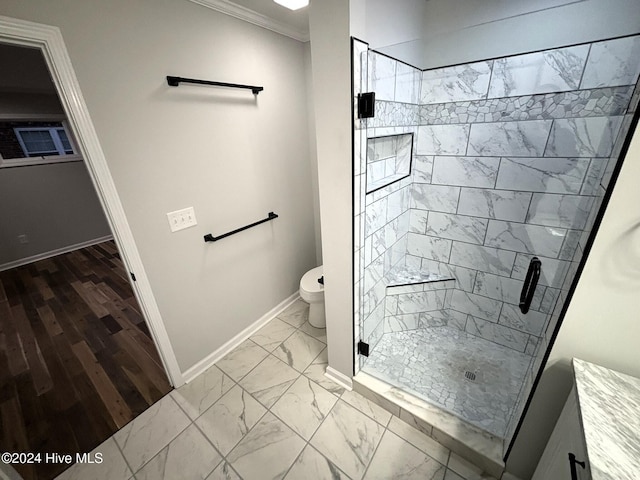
(366,105)
(133,276)
(363,348)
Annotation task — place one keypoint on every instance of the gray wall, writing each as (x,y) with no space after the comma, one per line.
(55,205)
(231,156)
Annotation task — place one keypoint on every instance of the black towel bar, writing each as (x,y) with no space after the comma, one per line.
(210,238)
(175,81)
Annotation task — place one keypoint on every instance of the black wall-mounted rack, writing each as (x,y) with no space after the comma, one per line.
(175,81)
(210,238)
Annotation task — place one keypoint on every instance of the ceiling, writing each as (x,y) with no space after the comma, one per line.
(267,14)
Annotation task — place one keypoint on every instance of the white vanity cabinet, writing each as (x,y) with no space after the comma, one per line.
(597,436)
(566,449)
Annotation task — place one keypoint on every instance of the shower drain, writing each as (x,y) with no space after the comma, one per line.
(470,375)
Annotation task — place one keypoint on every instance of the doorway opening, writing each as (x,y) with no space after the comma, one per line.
(82,350)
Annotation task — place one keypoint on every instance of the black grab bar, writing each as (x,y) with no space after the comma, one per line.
(175,81)
(210,238)
(530,284)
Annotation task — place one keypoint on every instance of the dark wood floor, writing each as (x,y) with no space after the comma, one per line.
(76,359)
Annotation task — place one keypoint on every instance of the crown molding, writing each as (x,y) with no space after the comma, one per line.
(251,16)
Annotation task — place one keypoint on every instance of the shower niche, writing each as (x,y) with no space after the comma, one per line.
(509,159)
(388,160)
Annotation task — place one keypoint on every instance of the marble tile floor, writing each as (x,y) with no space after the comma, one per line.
(266,411)
(431,363)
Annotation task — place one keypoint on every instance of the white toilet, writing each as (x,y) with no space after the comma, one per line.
(312,292)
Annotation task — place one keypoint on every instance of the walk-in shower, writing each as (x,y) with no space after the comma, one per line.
(462,177)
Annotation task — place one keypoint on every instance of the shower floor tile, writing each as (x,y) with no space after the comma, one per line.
(431,363)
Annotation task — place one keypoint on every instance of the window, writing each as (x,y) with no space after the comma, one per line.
(42,142)
(35,143)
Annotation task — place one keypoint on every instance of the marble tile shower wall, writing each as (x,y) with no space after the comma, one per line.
(513,158)
(384,213)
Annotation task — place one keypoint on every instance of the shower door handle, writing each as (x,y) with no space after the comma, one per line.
(530,284)
(572,466)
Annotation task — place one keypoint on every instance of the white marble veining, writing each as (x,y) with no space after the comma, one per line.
(269,380)
(524,238)
(421,301)
(189,455)
(405,275)
(496,333)
(366,406)
(541,72)
(596,170)
(397,458)
(242,359)
(501,288)
(422,168)
(455,84)
(429,247)
(418,220)
(610,409)
(272,334)
(552,271)
(476,305)
(304,406)
(518,139)
(437,198)
(570,245)
(317,333)
(375,218)
(466,171)
(143,437)
(432,364)
(442,139)
(613,62)
(532,322)
(113,467)
(496,204)
(299,350)
(311,464)
(583,137)
(566,211)
(457,227)
(316,372)
(419,440)
(267,451)
(446,428)
(348,438)
(200,393)
(551,175)
(296,314)
(397,203)
(400,323)
(230,419)
(224,471)
(486,259)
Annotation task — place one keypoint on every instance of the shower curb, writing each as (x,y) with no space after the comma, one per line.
(475,445)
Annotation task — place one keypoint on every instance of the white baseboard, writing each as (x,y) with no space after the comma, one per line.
(53,253)
(209,360)
(340,378)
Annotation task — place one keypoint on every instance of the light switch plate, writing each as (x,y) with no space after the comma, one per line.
(181,219)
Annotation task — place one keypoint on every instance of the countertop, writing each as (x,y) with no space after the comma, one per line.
(609,404)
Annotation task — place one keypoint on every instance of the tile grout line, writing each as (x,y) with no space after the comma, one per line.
(169,442)
(193,422)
